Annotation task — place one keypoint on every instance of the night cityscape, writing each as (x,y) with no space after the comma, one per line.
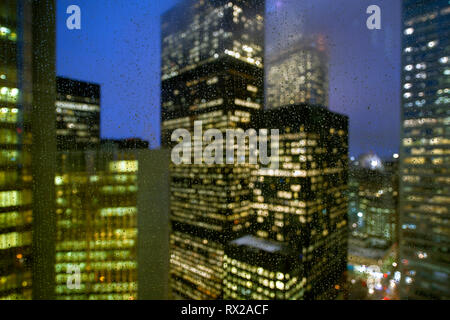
(224,150)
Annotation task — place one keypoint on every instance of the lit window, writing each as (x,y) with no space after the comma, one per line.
(409,31)
(432,44)
(409,67)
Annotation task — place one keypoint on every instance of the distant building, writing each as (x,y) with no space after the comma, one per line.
(373,227)
(303,203)
(298,74)
(373,200)
(424,154)
(77,114)
(260,269)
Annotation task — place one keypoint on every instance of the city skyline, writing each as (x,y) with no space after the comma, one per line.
(365,87)
(351,203)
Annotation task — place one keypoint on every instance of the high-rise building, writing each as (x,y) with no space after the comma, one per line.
(104,197)
(77,114)
(298,74)
(373,199)
(424,156)
(303,203)
(212,71)
(27,148)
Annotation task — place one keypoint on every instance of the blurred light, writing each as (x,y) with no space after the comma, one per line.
(409,31)
(443,60)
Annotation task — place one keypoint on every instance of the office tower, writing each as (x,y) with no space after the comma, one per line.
(212,71)
(373,222)
(27,148)
(261,269)
(303,203)
(77,114)
(424,167)
(373,200)
(97,223)
(298,74)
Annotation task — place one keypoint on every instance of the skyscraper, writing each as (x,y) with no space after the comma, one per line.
(424,158)
(27,148)
(212,60)
(373,199)
(77,114)
(298,74)
(303,203)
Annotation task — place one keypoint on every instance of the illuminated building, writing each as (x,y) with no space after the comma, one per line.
(373,199)
(99,194)
(303,203)
(373,227)
(424,235)
(27,161)
(77,114)
(197,32)
(298,74)
(212,70)
(261,269)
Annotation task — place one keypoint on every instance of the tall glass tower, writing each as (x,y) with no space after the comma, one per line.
(212,71)
(27,99)
(424,166)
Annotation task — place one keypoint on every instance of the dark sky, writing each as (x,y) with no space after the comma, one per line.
(119,44)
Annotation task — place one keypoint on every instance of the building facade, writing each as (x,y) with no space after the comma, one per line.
(96,196)
(112,212)
(261,269)
(298,74)
(27,148)
(303,203)
(373,199)
(77,114)
(212,71)
(424,156)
